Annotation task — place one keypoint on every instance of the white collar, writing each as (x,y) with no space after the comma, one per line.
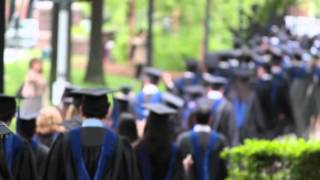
(92,122)
(214,95)
(188,75)
(202,128)
(266,77)
(150,89)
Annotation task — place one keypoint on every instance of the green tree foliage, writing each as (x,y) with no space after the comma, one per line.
(178,28)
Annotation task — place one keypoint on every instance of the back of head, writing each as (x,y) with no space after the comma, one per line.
(26,128)
(49,121)
(127,127)
(95,107)
(159,133)
(7,108)
(203,113)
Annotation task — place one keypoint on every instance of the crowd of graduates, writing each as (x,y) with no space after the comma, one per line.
(264,89)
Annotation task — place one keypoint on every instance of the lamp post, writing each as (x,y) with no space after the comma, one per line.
(62,51)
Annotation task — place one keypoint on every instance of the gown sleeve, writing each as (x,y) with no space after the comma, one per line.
(126,165)
(25,166)
(54,168)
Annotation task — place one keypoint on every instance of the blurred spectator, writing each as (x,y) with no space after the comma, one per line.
(33,89)
(139,52)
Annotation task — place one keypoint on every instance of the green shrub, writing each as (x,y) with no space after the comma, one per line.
(293,159)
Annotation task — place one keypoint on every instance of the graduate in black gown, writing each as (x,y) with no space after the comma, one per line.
(19,158)
(92,151)
(191,77)
(26,127)
(158,157)
(201,148)
(122,103)
(176,103)
(193,93)
(264,90)
(246,106)
(221,108)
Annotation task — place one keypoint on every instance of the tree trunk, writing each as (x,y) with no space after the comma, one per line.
(150,33)
(131,17)
(54,41)
(30,9)
(176,20)
(206,34)
(94,71)
(12,9)
(68,75)
(2,42)
(131,25)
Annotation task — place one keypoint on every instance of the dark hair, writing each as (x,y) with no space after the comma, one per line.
(95,107)
(26,129)
(158,133)
(157,141)
(202,115)
(127,127)
(7,110)
(33,61)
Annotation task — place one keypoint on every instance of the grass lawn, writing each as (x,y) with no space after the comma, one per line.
(16,71)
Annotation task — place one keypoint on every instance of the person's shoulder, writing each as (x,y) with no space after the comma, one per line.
(184,136)
(43,149)
(221,140)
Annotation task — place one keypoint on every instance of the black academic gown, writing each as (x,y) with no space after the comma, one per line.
(218,167)
(301,98)
(24,166)
(40,152)
(46,139)
(222,119)
(281,104)
(254,123)
(61,165)
(264,92)
(160,163)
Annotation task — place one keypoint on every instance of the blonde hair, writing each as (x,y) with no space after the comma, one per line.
(49,121)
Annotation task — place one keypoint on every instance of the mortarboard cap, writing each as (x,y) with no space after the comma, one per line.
(94,101)
(68,96)
(93,92)
(245,57)
(172,100)
(126,89)
(159,109)
(214,80)
(153,73)
(194,91)
(242,73)
(123,103)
